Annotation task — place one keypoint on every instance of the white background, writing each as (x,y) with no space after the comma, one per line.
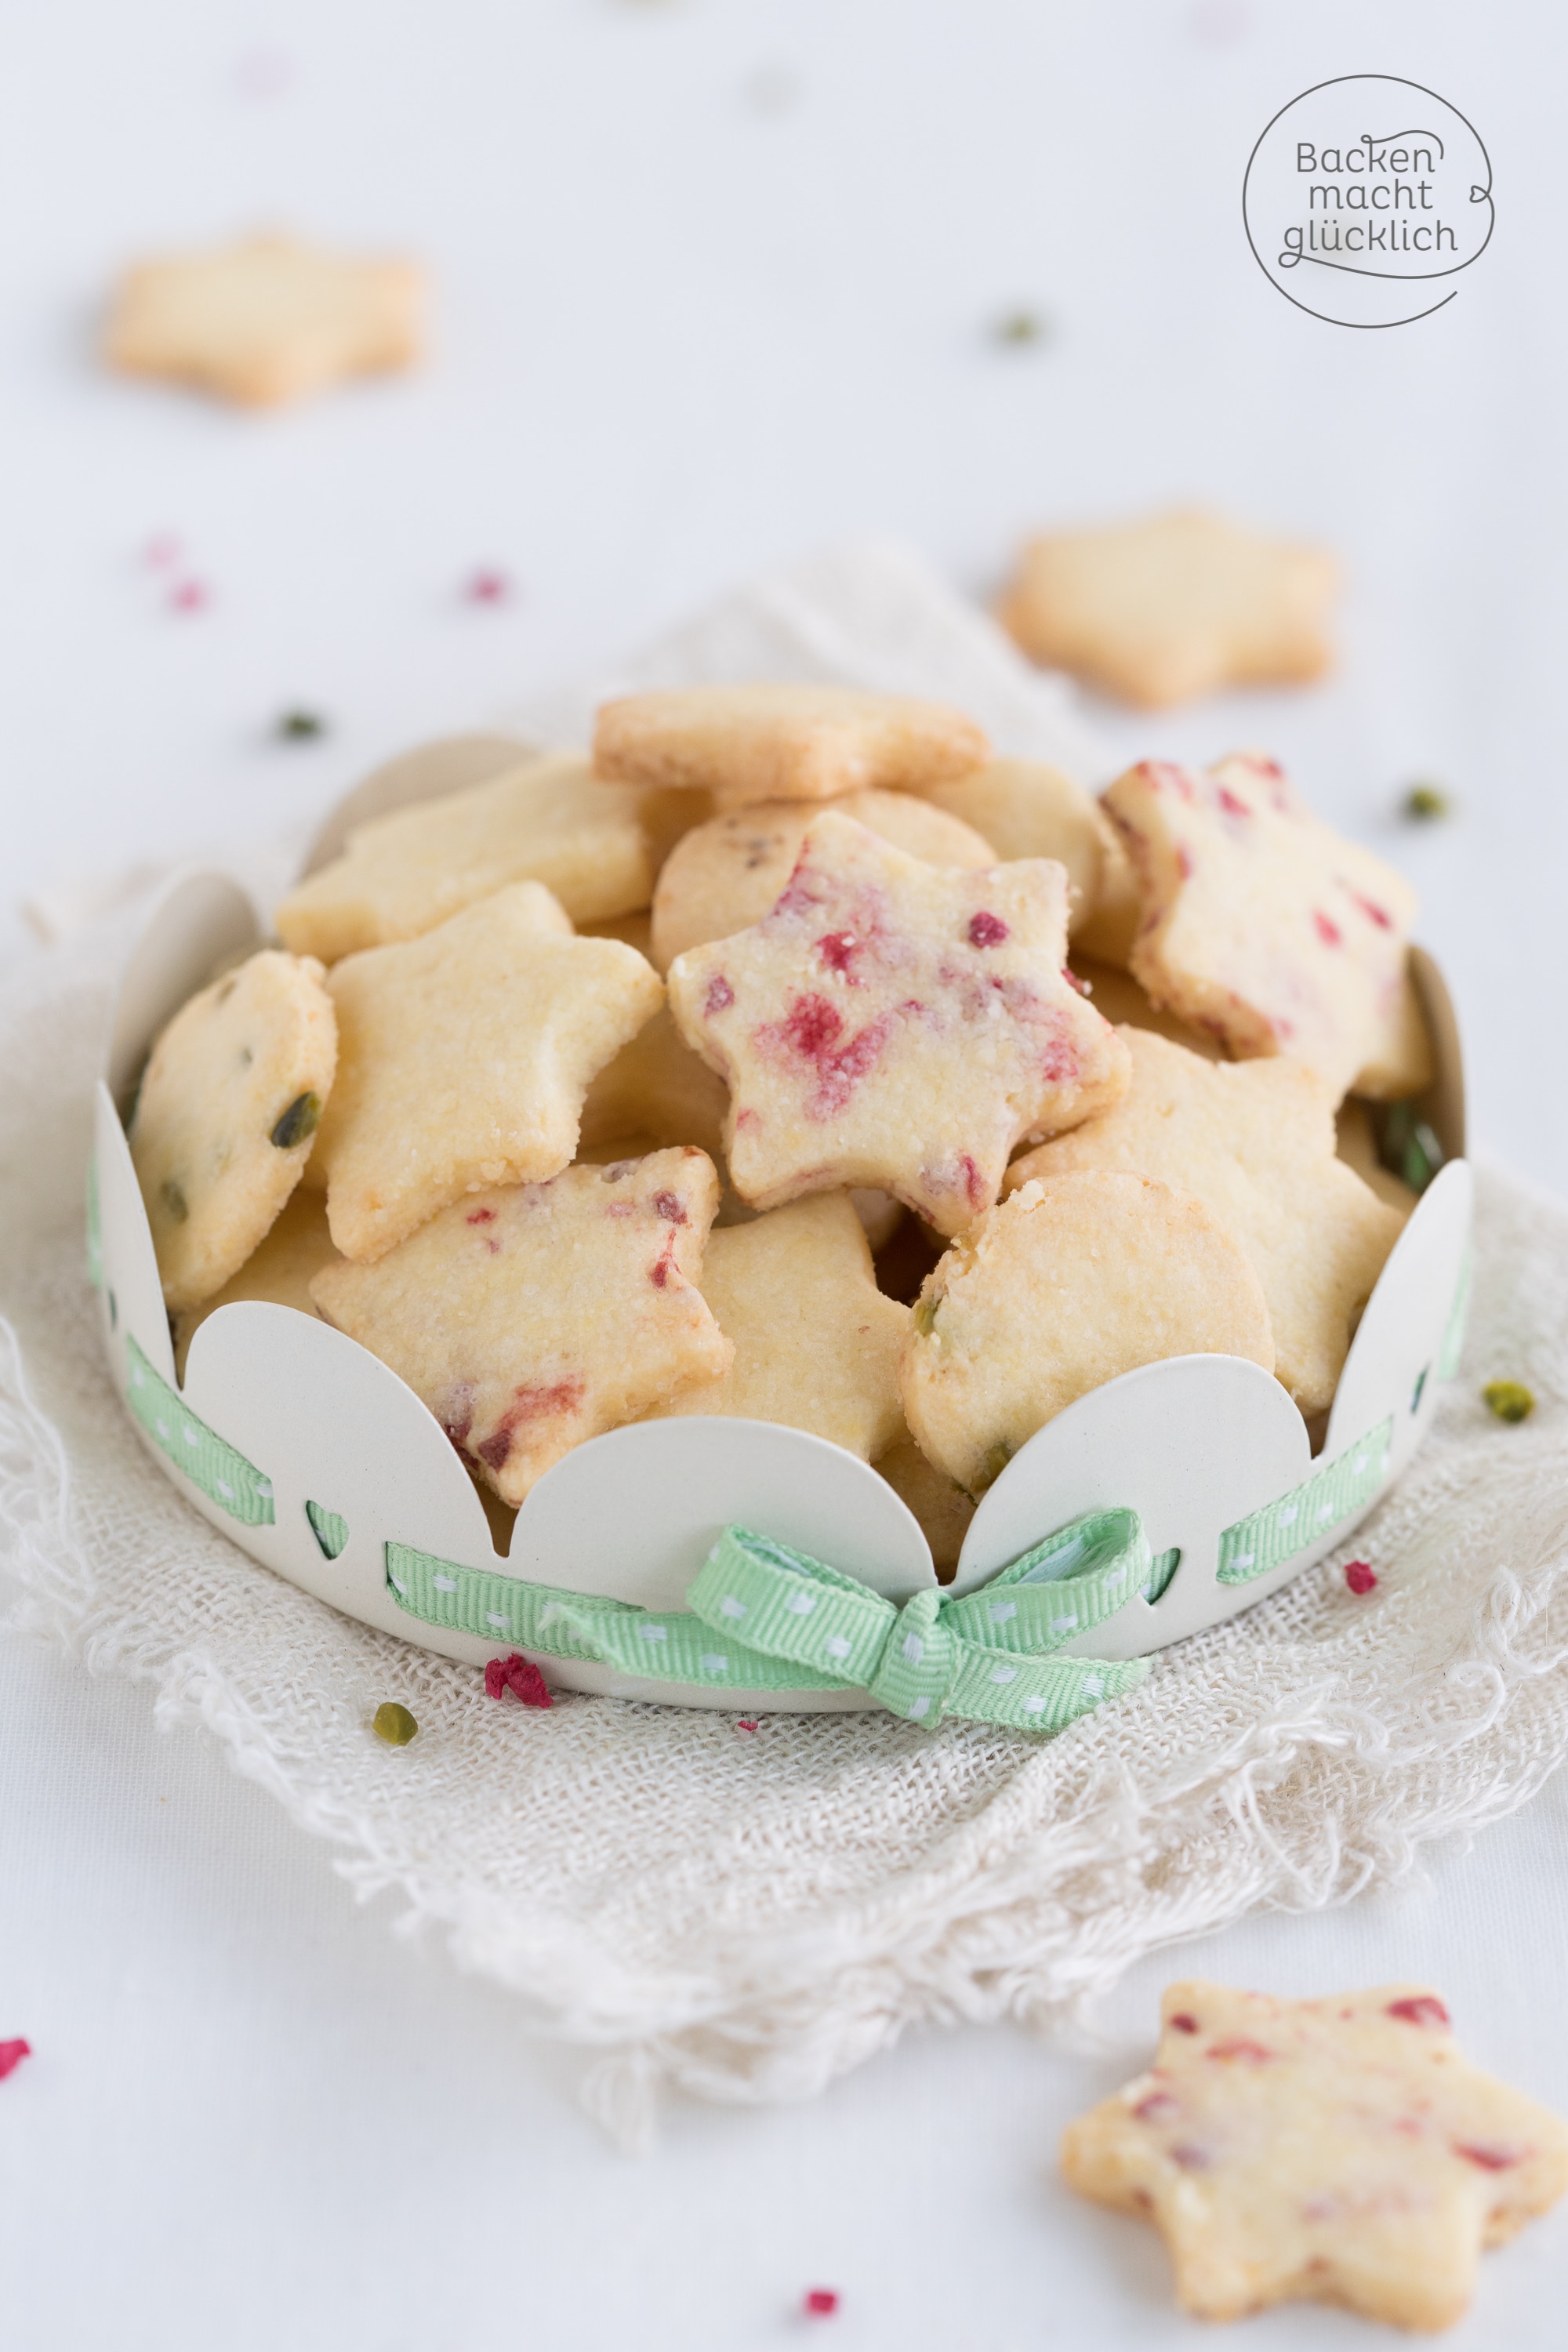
(715,280)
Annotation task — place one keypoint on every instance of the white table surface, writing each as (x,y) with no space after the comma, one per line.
(715,280)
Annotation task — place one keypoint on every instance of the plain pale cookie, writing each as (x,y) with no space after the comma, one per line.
(1327,2151)
(266,321)
(943,1510)
(725,874)
(465,1059)
(896,1025)
(1025,809)
(657,1085)
(1179,606)
(279,1271)
(536,1316)
(783,743)
(1266,929)
(595,847)
(1064,1287)
(227,1116)
(1119,997)
(1254,1142)
(816,1344)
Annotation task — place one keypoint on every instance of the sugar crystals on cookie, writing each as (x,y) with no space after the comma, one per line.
(892,1025)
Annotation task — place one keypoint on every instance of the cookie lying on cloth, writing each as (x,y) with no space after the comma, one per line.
(227,1116)
(531,1316)
(1335,2151)
(748,743)
(889,1023)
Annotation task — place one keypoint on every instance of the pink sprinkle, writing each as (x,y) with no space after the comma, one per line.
(819,2302)
(746,1723)
(521,1676)
(1421,2008)
(189,597)
(1184,2023)
(11,2056)
(720,997)
(488,587)
(162,550)
(1360,1576)
(986,931)
(1329,932)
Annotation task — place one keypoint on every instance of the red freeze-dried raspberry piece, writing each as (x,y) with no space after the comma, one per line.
(986,931)
(1421,2008)
(521,1676)
(1183,2023)
(819,2302)
(1360,1575)
(746,1723)
(11,2056)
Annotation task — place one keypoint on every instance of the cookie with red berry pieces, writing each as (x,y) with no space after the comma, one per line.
(596,847)
(816,1344)
(465,1059)
(1066,1285)
(895,1024)
(279,1270)
(1025,809)
(227,1116)
(1178,605)
(795,742)
(1266,929)
(1254,1142)
(266,321)
(727,873)
(1341,2150)
(531,1316)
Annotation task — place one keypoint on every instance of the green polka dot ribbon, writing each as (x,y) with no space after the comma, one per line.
(1266,1539)
(208,1461)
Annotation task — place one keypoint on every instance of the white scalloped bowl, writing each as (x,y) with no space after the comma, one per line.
(1193,1445)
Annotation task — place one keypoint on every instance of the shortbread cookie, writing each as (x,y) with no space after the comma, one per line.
(1356,1145)
(279,1271)
(943,1510)
(465,1056)
(596,846)
(783,743)
(727,874)
(1119,997)
(1341,2150)
(266,321)
(816,1344)
(1025,809)
(532,1316)
(1254,1142)
(633,930)
(1066,1285)
(657,1085)
(226,1117)
(896,1025)
(1181,604)
(1266,929)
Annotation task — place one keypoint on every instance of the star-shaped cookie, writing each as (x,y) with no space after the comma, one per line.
(1265,927)
(1335,2151)
(1178,605)
(534,1317)
(266,321)
(1255,1142)
(795,742)
(896,1025)
(463,1059)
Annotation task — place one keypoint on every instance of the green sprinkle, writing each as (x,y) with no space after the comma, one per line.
(1408,1146)
(301,1118)
(394,1724)
(1509,1399)
(302,726)
(925,1315)
(1018,328)
(174,1199)
(1424,803)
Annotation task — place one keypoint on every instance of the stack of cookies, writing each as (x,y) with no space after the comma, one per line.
(793,1058)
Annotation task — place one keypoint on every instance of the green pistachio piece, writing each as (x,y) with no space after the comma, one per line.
(302,726)
(394,1724)
(926,1313)
(1424,803)
(997,1457)
(301,1118)
(1509,1399)
(174,1199)
(1018,328)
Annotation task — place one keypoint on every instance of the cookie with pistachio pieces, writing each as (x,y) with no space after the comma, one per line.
(895,1024)
(531,1316)
(1255,1143)
(1066,1285)
(226,1117)
(817,1343)
(791,742)
(595,847)
(1342,2150)
(727,873)
(465,1059)
(1263,927)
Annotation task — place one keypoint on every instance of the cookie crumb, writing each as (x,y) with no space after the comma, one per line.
(1509,1399)
(394,1724)
(12,2054)
(1360,1576)
(1424,803)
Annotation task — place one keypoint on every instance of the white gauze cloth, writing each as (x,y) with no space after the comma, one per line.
(746,1914)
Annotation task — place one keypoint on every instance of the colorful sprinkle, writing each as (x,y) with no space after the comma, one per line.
(521,1676)
(11,2056)
(1360,1576)
(394,1724)
(1509,1399)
